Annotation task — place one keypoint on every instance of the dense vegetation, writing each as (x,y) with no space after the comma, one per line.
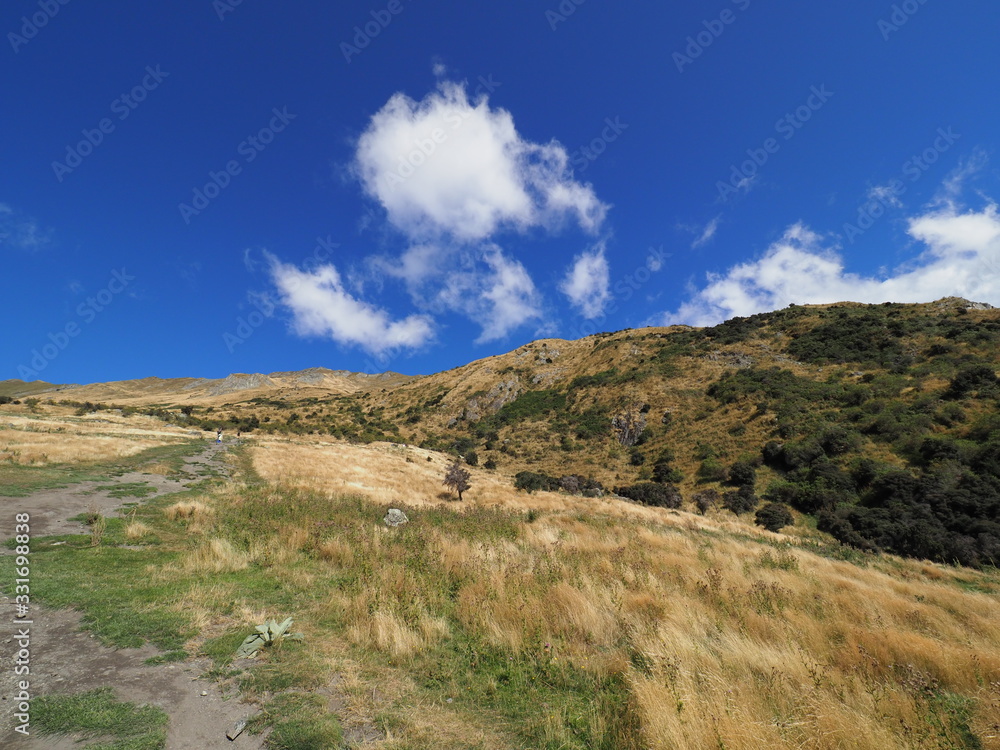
(878,422)
(934,490)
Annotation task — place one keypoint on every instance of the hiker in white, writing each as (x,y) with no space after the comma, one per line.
(218,438)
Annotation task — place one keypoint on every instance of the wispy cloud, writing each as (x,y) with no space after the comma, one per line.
(885,194)
(21,232)
(705,236)
(497,292)
(955,183)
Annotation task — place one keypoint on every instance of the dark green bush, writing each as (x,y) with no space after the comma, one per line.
(773,517)
(740,501)
(712,470)
(651,493)
(529,481)
(866,336)
(742,474)
(972,378)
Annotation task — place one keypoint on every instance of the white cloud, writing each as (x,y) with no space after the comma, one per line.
(588,283)
(962,258)
(321,306)
(452,174)
(448,167)
(885,194)
(496,291)
(707,233)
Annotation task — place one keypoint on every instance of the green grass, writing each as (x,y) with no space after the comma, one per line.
(98,715)
(167,658)
(222,649)
(298,722)
(131,489)
(21,481)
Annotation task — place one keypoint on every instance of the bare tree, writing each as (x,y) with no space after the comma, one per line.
(456,477)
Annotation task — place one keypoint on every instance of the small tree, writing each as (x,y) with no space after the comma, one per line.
(705,500)
(457,478)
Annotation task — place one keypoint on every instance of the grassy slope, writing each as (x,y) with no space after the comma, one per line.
(860,397)
(495,628)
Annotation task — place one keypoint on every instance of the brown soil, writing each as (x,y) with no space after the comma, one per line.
(65,659)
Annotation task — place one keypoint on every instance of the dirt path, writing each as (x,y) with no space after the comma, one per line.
(65,659)
(51,509)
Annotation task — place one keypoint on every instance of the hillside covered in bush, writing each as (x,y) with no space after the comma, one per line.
(878,424)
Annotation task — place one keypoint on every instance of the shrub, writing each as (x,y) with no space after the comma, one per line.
(743,474)
(570,483)
(866,336)
(666,474)
(836,441)
(591,424)
(529,481)
(973,377)
(490,464)
(740,501)
(532,405)
(773,517)
(663,470)
(712,470)
(471,458)
(651,493)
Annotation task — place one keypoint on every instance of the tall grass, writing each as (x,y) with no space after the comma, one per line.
(568,628)
(580,633)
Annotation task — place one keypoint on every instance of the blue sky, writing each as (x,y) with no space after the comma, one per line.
(199,188)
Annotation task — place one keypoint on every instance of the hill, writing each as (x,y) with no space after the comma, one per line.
(563,615)
(317,382)
(878,422)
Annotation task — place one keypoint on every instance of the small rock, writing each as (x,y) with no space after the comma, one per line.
(395,517)
(204,692)
(237,729)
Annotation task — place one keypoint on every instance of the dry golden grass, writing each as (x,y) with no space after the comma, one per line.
(135,530)
(158,468)
(722,639)
(382,473)
(216,556)
(195,514)
(185,510)
(37,441)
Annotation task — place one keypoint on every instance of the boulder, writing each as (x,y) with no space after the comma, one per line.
(395,517)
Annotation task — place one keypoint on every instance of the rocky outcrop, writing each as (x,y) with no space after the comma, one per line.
(500,394)
(240,382)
